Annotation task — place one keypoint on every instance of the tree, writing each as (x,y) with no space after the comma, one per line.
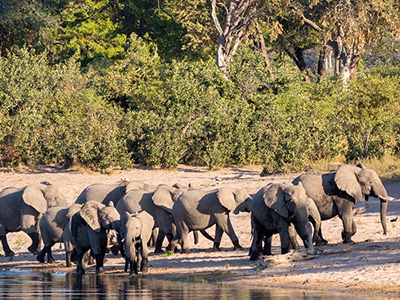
(232,20)
(349,26)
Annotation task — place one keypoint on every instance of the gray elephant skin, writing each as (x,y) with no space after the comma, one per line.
(273,209)
(52,225)
(198,209)
(106,193)
(21,209)
(158,203)
(136,230)
(89,228)
(337,193)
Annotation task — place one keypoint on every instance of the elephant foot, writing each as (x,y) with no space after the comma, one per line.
(40,258)
(186,251)
(321,243)
(10,254)
(144,265)
(33,249)
(236,246)
(100,271)
(216,247)
(158,251)
(51,261)
(80,271)
(347,238)
(253,256)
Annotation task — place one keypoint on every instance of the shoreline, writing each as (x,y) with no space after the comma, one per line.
(370,266)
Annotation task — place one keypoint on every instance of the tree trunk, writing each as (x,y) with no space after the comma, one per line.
(321,61)
(298,59)
(231,32)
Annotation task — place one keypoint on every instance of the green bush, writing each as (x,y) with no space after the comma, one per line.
(48,115)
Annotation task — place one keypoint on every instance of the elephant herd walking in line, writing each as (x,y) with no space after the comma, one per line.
(133,210)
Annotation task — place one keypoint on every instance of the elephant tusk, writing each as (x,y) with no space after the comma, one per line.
(387,198)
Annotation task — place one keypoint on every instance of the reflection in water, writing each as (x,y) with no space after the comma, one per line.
(19,285)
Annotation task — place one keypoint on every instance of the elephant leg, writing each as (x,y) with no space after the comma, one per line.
(50,258)
(283,229)
(217,239)
(99,263)
(293,243)
(41,255)
(226,225)
(159,241)
(34,247)
(6,247)
(267,244)
(80,269)
(255,247)
(145,259)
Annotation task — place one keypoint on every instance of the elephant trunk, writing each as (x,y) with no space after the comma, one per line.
(383,210)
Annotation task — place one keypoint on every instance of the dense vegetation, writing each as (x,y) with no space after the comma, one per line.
(106,84)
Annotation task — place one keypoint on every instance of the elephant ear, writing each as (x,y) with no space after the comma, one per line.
(73,209)
(346,180)
(274,198)
(33,195)
(226,197)
(90,213)
(163,197)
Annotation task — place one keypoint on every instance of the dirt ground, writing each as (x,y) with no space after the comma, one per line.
(370,265)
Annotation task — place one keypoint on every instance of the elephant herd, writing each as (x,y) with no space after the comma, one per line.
(133,211)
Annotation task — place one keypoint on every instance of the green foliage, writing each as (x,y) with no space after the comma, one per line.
(371,116)
(48,115)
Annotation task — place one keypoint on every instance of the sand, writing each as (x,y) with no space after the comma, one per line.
(370,265)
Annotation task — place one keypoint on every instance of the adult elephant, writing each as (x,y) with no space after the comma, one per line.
(22,208)
(158,203)
(337,193)
(106,193)
(198,210)
(274,209)
(89,228)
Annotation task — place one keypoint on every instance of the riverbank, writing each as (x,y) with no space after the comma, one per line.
(370,265)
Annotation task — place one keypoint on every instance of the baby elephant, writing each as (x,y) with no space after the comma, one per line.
(274,208)
(136,230)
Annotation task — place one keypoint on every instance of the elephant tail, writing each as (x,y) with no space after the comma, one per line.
(206,235)
(196,237)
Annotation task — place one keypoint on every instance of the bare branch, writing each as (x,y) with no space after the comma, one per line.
(215,18)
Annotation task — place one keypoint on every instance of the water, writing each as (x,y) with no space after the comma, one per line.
(20,285)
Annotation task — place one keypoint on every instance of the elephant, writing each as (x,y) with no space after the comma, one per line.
(52,225)
(273,209)
(337,193)
(158,203)
(199,209)
(89,228)
(136,230)
(106,193)
(21,209)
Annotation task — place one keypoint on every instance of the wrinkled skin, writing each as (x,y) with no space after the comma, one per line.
(275,208)
(89,228)
(136,230)
(52,225)
(335,194)
(199,210)
(22,208)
